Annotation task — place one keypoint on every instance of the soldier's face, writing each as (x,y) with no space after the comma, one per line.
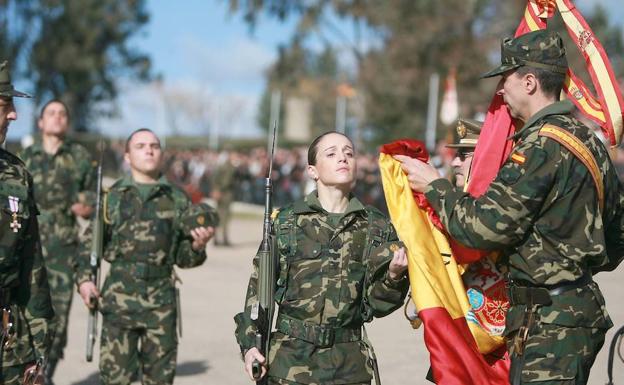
(512,89)
(144,153)
(461,165)
(335,162)
(54,120)
(7,115)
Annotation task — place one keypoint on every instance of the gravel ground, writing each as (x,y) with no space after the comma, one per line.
(214,292)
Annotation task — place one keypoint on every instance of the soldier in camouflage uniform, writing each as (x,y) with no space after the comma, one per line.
(64,177)
(223,182)
(555,222)
(340,265)
(142,242)
(25,305)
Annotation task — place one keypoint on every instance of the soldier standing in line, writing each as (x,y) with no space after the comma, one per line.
(25,305)
(223,183)
(143,240)
(64,180)
(340,265)
(555,210)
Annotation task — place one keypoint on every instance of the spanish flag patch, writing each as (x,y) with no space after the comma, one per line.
(518,157)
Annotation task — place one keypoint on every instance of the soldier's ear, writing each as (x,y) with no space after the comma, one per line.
(530,83)
(127,157)
(312,173)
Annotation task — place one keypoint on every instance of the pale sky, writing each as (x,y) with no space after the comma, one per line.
(211,65)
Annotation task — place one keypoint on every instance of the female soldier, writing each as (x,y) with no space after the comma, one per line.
(340,265)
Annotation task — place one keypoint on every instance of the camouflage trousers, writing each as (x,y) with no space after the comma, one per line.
(224,209)
(557,355)
(127,347)
(12,375)
(61,291)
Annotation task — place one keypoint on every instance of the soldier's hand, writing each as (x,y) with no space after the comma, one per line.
(398,264)
(82,210)
(201,236)
(88,291)
(33,375)
(419,174)
(252,355)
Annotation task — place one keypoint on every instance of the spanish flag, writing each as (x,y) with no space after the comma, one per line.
(456,346)
(606,109)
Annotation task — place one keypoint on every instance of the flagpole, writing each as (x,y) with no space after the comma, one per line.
(430,133)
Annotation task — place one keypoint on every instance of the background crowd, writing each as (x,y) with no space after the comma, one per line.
(195,170)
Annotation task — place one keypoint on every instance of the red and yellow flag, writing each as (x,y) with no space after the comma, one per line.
(606,109)
(456,346)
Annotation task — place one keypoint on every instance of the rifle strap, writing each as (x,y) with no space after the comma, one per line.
(287,233)
(582,153)
(105,216)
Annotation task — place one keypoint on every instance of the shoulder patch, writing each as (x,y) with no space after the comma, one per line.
(274,214)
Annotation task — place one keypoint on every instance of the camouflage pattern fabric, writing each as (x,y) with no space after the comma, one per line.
(60,180)
(223,182)
(542,210)
(540,49)
(330,278)
(12,375)
(23,278)
(119,359)
(142,242)
(560,355)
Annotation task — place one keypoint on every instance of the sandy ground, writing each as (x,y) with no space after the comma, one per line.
(214,292)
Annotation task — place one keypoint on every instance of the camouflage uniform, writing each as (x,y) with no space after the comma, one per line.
(23,281)
(332,278)
(142,242)
(543,212)
(58,181)
(223,182)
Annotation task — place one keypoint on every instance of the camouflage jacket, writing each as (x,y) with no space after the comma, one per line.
(330,277)
(60,180)
(542,210)
(23,280)
(142,242)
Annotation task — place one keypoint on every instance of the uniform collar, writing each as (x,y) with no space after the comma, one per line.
(127,182)
(557,108)
(311,204)
(37,146)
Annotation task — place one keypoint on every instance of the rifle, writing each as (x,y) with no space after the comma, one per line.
(262,311)
(94,260)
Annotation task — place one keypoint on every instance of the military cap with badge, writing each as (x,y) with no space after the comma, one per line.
(6,88)
(467,131)
(539,49)
(198,215)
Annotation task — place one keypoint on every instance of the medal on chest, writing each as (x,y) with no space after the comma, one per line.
(14,206)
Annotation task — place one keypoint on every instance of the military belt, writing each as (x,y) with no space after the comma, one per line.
(322,336)
(522,293)
(142,270)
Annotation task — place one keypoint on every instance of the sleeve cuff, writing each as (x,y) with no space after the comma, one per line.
(395,283)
